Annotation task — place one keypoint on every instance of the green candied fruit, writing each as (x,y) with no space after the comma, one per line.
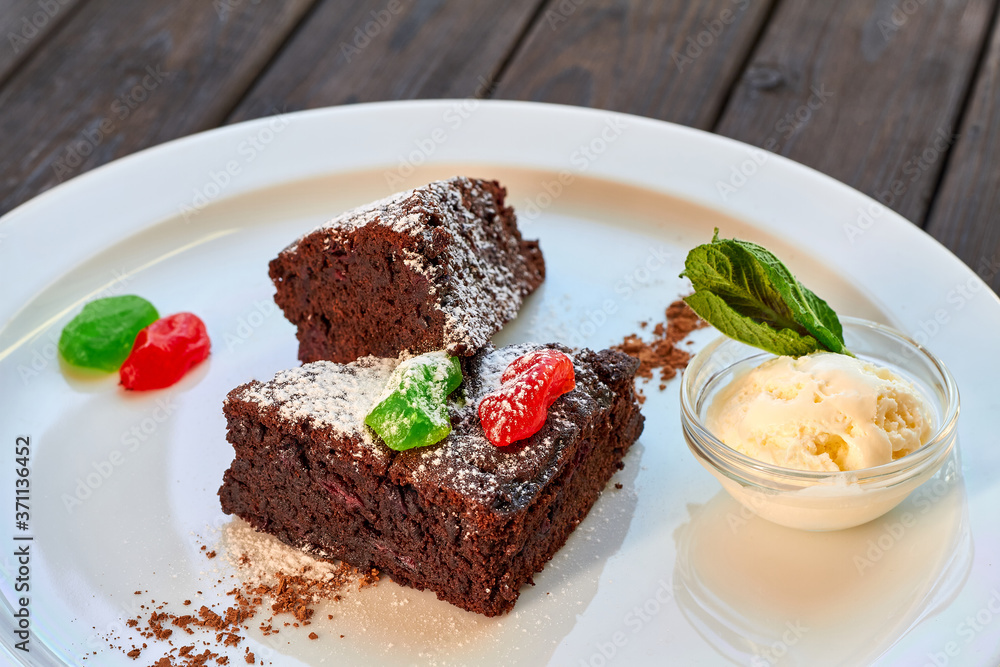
(101,336)
(412,411)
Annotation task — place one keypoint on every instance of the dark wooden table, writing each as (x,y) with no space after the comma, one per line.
(897,98)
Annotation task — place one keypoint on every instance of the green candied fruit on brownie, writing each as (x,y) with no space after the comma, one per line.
(101,336)
(412,411)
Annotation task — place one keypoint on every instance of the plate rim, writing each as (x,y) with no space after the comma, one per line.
(33,219)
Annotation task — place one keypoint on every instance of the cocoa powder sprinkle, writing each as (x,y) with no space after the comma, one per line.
(662,352)
(281,593)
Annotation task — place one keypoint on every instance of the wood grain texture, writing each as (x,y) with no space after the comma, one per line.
(865,92)
(25,25)
(965,215)
(674,61)
(119,77)
(390,50)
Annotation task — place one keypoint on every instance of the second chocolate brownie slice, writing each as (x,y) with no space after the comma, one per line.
(442,266)
(466,519)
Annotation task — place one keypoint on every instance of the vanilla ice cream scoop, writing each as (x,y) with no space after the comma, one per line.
(821,412)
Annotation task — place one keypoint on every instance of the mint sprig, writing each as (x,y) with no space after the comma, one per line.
(745,292)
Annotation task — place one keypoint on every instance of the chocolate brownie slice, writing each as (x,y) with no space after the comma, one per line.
(439,267)
(468,520)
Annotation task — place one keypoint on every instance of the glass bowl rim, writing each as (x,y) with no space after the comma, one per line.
(740,463)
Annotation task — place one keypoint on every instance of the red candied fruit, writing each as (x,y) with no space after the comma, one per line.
(164,351)
(528,388)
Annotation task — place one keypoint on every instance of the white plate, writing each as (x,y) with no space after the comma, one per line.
(664,570)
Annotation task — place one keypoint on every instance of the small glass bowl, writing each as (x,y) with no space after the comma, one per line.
(810,500)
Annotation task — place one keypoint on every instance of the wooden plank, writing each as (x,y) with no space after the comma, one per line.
(965,215)
(674,61)
(26,24)
(868,93)
(119,77)
(390,49)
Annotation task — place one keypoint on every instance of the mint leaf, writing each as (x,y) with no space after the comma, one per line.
(747,293)
(712,308)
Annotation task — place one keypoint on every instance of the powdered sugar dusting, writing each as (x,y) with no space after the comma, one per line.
(390,211)
(328,394)
(494,364)
(258,556)
(340,395)
(498,476)
(477,270)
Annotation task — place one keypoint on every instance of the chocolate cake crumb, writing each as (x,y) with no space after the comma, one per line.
(261,587)
(618,486)
(662,352)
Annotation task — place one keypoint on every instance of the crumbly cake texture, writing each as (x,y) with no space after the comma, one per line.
(442,266)
(468,520)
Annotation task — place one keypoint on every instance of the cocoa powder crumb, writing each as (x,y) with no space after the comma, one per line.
(662,352)
(293,594)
